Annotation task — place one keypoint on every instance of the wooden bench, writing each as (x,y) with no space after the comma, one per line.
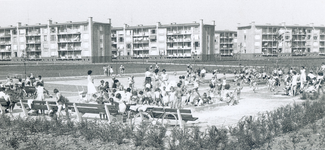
(82,108)
(181,115)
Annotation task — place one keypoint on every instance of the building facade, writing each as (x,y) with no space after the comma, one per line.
(281,40)
(88,41)
(159,42)
(225,42)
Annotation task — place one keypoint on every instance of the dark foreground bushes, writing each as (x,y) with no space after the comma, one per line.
(249,133)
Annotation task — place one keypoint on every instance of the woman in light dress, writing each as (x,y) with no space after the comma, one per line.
(302,76)
(91,87)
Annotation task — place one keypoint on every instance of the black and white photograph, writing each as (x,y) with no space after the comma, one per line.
(162,74)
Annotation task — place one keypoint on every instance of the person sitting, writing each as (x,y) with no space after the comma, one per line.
(226,95)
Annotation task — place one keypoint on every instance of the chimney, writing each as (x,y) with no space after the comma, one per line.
(56,22)
(49,22)
(69,21)
(213,22)
(201,21)
(158,24)
(26,24)
(38,24)
(238,24)
(109,20)
(253,23)
(125,26)
(10,25)
(19,24)
(90,19)
(284,23)
(194,21)
(311,24)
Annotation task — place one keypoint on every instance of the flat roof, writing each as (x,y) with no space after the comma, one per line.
(281,26)
(223,31)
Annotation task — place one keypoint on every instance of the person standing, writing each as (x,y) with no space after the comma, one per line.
(302,77)
(111,71)
(91,87)
(106,70)
(147,77)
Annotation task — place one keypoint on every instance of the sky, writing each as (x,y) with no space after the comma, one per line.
(226,13)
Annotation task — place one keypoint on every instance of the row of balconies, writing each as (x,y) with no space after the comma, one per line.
(179,47)
(179,32)
(226,37)
(69,48)
(179,40)
(70,57)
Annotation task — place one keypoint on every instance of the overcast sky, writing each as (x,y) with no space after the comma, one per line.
(226,13)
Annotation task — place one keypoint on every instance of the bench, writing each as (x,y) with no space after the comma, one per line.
(182,115)
(82,108)
(4,105)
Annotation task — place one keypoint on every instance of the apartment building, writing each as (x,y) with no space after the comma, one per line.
(159,42)
(88,41)
(281,40)
(225,42)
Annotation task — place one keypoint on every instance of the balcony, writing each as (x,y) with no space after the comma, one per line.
(33,42)
(70,49)
(33,34)
(5,50)
(5,43)
(69,31)
(4,35)
(33,50)
(71,40)
(141,34)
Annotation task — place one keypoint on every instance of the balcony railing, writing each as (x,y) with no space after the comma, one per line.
(5,50)
(5,34)
(33,41)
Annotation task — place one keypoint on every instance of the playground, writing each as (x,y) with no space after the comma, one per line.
(218,113)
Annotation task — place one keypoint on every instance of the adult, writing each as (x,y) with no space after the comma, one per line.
(147,75)
(203,71)
(40,80)
(91,87)
(164,77)
(302,77)
(156,78)
(106,70)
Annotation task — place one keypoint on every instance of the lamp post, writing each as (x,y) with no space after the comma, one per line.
(239,52)
(25,58)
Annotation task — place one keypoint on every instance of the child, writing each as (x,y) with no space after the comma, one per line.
(238,91)
(172,97)
(134,98)
(165,97)
(147,97)
(141,97)
(158,97)
(227,96)
(61,102)
(131,82)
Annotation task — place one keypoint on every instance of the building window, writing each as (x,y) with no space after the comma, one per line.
(153,40)
(128,46)
(153,31)
(52,30)
(45,37)
(53,38)
(244,37)
(121,39)
(85,27)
